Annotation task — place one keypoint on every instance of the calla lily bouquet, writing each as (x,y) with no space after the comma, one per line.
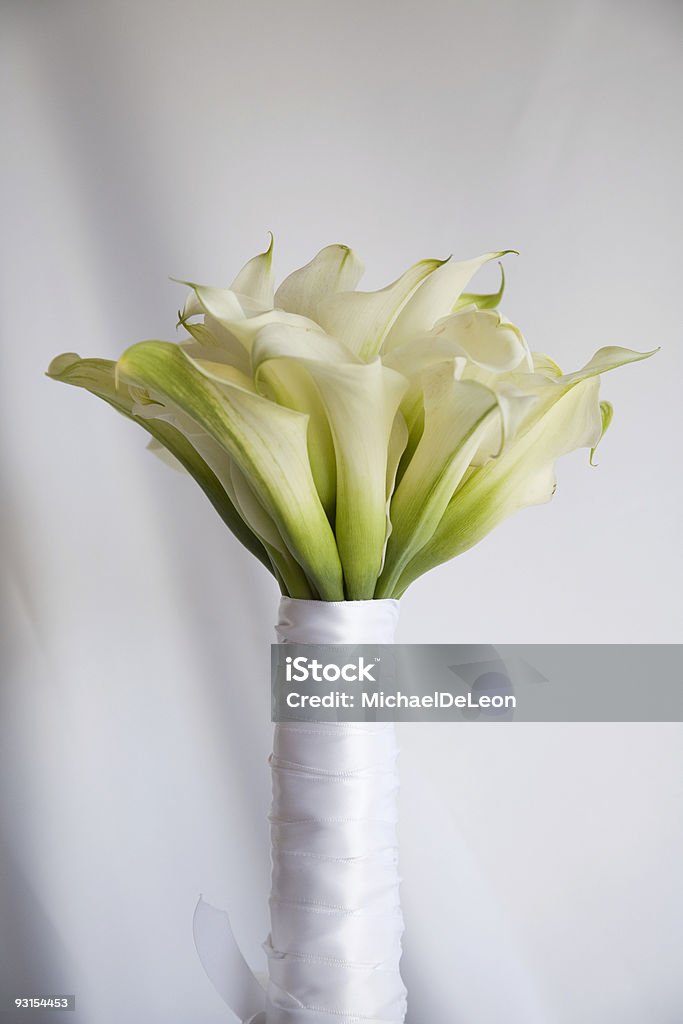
(351,440)
(354,440)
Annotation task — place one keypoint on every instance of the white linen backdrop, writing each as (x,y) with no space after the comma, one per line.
(141,139)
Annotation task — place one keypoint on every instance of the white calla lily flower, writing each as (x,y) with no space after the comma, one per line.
(353,440)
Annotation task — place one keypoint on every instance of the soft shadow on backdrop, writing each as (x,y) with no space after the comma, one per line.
(144,139)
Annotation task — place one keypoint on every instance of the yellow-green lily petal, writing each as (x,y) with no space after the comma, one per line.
(289,383)
(435,298)
(234,484)
(336,268)
(523,475)
(605,359)
(456,414)
(486,301)
(398,442)
(237,488)
(279,357)
(98,377)
(362,320)
(256,280)
(361,402)
(543,390)
(253,513)
(266,441)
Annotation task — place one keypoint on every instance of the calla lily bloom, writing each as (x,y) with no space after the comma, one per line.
(354,440)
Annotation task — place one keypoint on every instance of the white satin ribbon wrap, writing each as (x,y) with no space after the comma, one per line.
(336,924)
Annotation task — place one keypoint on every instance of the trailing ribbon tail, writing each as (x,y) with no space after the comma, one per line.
(226,968)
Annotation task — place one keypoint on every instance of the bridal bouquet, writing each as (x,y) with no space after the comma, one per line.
(351,441)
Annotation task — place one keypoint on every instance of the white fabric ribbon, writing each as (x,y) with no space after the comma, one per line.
(336,925)
(336,622)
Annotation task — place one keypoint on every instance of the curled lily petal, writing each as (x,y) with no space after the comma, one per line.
(362,320)
(336,268)
(605,359)
(435,298)
(514,408)
(480,337)
(489,301)
(256,280)
(483,337)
